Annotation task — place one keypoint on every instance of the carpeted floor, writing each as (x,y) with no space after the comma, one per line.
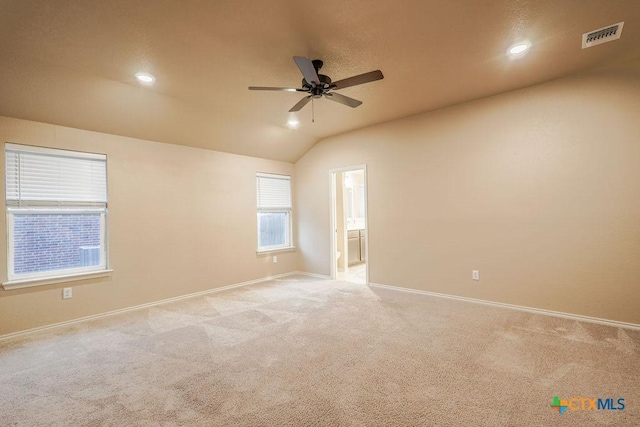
(306,352)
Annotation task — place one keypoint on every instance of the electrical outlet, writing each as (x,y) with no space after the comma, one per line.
(275,259)
(67,293)
(475,274)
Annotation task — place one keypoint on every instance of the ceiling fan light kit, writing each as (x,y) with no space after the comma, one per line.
(319,85)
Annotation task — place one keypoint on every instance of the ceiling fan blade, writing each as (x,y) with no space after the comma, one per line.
(358,80)
(284,89)
(307,69)
(300,104)
(350,102)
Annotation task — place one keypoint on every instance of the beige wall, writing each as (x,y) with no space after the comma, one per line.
(181,220)
(539,189)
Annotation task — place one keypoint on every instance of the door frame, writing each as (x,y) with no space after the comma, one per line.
(333,220)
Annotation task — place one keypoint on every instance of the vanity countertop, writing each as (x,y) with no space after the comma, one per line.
(354,224)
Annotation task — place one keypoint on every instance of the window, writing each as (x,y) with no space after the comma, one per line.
(56,204)
(274,212)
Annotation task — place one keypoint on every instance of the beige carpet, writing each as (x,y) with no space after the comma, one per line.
(305,352)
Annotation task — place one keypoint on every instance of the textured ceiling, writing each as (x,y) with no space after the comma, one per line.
(73,62)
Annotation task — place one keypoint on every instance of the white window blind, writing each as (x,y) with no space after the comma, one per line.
(274,191)
(56,204)
(39,176)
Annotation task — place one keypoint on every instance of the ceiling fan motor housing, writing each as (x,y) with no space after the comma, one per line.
(325,83)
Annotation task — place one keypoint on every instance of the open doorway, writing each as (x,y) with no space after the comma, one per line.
(349,230)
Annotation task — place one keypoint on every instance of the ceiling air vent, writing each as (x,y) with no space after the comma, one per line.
(602,35)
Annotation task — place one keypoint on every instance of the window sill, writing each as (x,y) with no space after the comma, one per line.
(275,251)
(40,281)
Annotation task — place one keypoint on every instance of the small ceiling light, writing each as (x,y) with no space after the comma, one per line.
(145,78)
(293,123)
(519,49)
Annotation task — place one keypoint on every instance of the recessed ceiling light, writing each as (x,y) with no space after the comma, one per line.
(293,123)
(519,49)
(145,78)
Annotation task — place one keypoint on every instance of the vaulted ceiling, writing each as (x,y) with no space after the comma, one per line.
(72,62)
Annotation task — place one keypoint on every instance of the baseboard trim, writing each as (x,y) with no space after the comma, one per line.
(150,304)
(570,316)
(317,276)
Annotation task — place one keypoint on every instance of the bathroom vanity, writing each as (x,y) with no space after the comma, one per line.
(356,240)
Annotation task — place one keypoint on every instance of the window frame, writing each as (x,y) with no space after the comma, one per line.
(288,245)
(15,281)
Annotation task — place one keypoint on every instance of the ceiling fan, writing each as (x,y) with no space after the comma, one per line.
(319,85)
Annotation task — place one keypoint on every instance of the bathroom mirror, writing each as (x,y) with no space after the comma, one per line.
(354,194)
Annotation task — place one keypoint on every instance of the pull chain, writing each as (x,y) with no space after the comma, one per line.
(313,114)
